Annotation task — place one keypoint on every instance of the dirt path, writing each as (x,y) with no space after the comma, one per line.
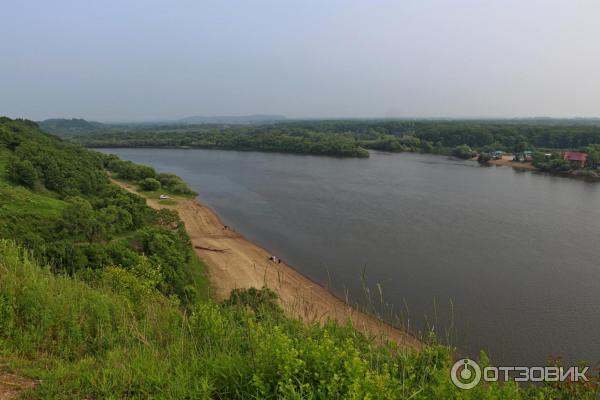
(244,264)
(11,385)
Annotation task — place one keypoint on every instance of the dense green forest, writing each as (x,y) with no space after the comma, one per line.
(102,297)
(70,127)
(264,138)
(57,200)
(350,138)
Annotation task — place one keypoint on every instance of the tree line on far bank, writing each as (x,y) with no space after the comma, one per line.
(351,138)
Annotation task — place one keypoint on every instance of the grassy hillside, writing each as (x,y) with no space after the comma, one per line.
(117,337)
(101,297)
(56,199)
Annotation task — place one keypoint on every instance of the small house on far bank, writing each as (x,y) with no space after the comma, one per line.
(575,157)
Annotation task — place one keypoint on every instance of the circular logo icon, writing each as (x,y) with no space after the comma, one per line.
(465,374)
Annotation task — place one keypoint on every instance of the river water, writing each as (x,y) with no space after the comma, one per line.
(489,257)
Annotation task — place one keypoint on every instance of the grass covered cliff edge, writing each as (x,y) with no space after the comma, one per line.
(102,297)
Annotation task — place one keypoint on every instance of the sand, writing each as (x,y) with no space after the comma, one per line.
(239,263)
(507,161)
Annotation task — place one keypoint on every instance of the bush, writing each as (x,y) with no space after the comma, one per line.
(150,184)
(484,158)
(22,172)
(463,151)
(261,302)
(117,337)
(173,184)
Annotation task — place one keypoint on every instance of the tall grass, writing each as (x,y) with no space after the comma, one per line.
(116,337)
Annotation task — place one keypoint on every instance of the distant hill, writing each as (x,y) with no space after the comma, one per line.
(70,127)
(232,119)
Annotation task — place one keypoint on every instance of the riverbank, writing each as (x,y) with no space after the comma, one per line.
(507,161)
(234,262)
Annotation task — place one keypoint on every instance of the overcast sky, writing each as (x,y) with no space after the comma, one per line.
(121,60)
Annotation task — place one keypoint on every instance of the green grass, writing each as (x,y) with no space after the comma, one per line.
(117,338)
(19,200)
(4,154)
(26,214)
(200,280)
(167,202)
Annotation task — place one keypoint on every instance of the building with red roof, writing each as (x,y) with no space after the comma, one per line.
(576,157)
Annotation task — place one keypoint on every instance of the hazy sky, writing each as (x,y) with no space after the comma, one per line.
(115,60)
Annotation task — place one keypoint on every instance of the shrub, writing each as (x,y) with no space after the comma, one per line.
(117,337)
(22,172)
(150,184)
(484,158)
(463,151)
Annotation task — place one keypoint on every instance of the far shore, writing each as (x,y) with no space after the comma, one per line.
(234,262)
(507,161)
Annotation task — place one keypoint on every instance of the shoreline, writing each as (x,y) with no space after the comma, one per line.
(507,161)
(234,262)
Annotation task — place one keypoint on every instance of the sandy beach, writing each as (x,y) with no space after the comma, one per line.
(234,262)
(507,161)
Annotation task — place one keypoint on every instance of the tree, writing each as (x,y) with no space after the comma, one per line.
(114,219)
(78,219)
(593,159)
(150,184)
(22,172)
(463,151)
(484,158)
(53,176)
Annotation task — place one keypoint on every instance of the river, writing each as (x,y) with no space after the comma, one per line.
(488,257)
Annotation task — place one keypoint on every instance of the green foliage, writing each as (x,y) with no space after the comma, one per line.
(69,127)
(394,144)
(121,318)
(552,163)
(61,167)
(75,220)
(174,184)
(484,158)
(22,172)
(261,302)
(128,170)
(593,151)
(147,178)
(463,151)
(118,337)
(78,220)
(233,138)
(349,138)
(150,184)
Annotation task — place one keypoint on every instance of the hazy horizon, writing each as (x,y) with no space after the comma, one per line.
(324,118)
(150,61)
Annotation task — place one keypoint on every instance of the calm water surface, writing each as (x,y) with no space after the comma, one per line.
(506,261)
